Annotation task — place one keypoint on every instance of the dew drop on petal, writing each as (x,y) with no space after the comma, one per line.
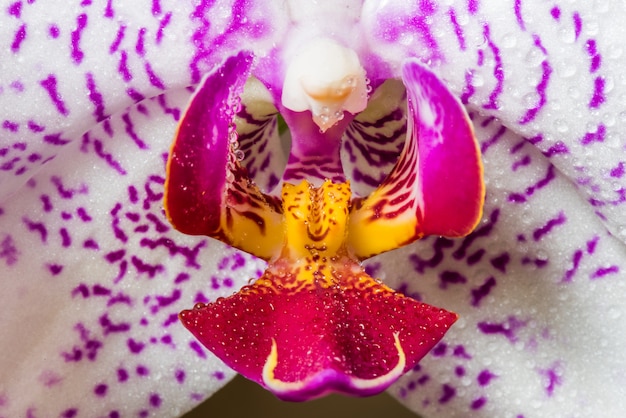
(561,125)
(567,35)
(509,41)
(566,69)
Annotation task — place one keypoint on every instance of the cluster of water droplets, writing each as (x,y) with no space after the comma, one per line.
(236,155)
(329,115)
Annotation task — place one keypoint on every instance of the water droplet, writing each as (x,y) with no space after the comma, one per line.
(509,40)
(614,51)
(592,27)
(566,69)
(534,57)
(230,177)
(573,92)
(462,19)
(608,119)
(567,35)
(609,84)
(531,99)
(614,313)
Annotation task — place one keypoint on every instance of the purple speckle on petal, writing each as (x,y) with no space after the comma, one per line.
(604,271)
(591,245)
(482,291)
(101,389)
(180,376)
(472,6)
(135,347)
(478,403)
(142,370)
(598,135)
(55,269)
(82,290)
(556,13)
(15,9)
(553,379)
(54,31)
(118,39)
(500,262)
(485,377)
(448,393)
(139,45)
(518,14)
(50,85)
(77,53)
(539,233)
(439,350)
(618,172)
(19,37)
(450,277)
(69,413)
(155,400)
(578,24)
(459,351)
(598,93)
(122,375)
(197,348)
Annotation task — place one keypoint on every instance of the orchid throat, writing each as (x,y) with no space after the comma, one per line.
(315,321)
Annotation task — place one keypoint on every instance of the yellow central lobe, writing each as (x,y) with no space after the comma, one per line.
(315,221)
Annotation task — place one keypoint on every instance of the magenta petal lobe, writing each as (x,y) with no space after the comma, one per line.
(450,168)
(302,339)
(207,191)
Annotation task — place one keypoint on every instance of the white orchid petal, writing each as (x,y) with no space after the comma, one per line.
(67,67)
(93,278)
(538,284)
(552,72)
(538,287)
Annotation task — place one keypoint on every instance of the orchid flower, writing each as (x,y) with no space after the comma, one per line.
(93,275)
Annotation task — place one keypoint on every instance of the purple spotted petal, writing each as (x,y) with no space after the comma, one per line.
(537,285)
(93,278)
(67,68)
(549,71)
(538,288)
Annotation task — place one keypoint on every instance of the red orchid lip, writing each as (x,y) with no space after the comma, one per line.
(356,336)
(315,322)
